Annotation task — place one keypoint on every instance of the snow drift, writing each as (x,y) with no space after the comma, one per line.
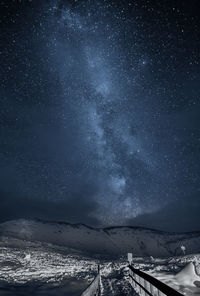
(187,276)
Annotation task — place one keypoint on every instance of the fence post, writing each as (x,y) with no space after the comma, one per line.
(140,284)
(130,258)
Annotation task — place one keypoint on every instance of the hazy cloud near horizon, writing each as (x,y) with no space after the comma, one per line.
(182,215)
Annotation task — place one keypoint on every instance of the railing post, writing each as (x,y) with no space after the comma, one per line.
(139,286)
(158,292)
(146,287)
(151,289)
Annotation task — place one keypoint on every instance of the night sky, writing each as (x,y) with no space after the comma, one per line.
(100,112)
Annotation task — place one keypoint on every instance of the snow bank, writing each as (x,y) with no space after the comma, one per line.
(187,276)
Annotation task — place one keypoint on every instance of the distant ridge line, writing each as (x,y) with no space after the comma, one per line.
(105,229)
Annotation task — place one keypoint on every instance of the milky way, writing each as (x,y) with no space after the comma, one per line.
(100,106)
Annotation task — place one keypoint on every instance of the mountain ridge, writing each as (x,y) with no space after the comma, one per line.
(107,227)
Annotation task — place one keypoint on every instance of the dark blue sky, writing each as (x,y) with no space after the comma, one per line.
(99,117)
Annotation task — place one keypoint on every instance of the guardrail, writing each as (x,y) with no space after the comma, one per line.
(146,285)
(94,288)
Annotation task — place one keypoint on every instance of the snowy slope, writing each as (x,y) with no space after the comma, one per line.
(187,276)
(113,240)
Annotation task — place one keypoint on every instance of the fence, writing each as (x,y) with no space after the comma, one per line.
(94,288)
(146,285)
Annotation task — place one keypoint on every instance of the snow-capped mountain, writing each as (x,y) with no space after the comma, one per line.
(112,240)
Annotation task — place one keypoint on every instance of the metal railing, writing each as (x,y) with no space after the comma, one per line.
(94,288)
(146,285)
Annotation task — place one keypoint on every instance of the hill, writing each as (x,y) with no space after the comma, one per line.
(112,240)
